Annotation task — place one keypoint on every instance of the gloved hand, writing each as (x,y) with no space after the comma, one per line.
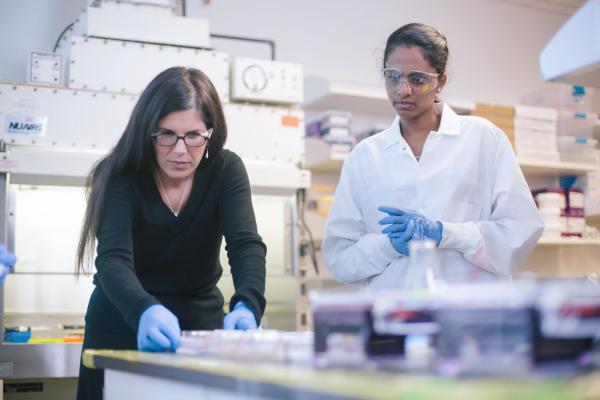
(6,260)
(400,238)
(423,227)
(158,330)
(240,318)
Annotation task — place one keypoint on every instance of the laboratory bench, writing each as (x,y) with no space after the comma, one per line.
(178,376)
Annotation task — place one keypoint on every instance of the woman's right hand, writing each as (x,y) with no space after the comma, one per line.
(158,330)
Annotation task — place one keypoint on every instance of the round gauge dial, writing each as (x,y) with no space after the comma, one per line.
(255,78)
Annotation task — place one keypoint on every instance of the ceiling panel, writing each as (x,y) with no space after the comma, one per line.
(565,7)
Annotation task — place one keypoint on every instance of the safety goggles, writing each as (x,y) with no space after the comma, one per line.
(419,82)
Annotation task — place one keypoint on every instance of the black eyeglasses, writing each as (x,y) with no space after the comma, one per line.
(191,139)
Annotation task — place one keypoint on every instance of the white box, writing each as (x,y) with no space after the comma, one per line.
(542,113)
(271,134)
(535,124)
(128,67)
(143,24)
(76,120)
(266,81)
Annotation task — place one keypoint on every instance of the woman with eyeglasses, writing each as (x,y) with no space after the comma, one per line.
(159,206)
(431,175)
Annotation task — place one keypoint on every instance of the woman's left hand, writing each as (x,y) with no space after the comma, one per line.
(240,318)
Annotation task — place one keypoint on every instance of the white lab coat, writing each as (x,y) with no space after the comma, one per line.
(467,178)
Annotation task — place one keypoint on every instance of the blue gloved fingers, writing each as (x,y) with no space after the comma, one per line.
(406,235)
(241,317)
(229,322)
(6,257)
(395,228)
(393,211)
(158,337)
(245,323)
(147,344)
(393,219)
(173,333)
(158,329)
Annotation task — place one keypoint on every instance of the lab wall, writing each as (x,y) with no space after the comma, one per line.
(494,46)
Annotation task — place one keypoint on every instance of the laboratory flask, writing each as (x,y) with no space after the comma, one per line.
(423,266)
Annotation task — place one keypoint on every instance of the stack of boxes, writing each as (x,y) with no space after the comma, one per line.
(535,133)
(562,211)
(575,120)
(334,127)
(501,116)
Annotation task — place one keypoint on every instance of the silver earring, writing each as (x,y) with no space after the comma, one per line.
(207,152)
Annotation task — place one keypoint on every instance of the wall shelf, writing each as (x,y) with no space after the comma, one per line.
(568,242)
(537,167)
(321,157)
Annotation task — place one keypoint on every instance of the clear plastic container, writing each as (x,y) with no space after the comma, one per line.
(424,266)
(562,96)
(582,156)
(486,329)
(536,141)
(575,142)
(577,123)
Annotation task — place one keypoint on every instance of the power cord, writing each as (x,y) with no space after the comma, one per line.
(61,36)
(311,243)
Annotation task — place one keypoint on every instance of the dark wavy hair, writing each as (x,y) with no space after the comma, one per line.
(175,89)
(432,43)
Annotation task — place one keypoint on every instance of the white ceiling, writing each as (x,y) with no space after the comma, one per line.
(565,7)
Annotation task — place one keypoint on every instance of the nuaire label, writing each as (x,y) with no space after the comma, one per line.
(25,125)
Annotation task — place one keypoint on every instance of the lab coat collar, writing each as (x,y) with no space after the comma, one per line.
(449,125)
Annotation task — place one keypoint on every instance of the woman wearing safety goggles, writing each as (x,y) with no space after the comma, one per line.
(431,175)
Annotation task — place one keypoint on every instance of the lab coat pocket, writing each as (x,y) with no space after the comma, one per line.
(459,211)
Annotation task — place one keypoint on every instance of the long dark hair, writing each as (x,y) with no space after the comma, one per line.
(174,89)
(432,43)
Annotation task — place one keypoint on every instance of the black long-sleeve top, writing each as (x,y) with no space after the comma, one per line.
(147,255)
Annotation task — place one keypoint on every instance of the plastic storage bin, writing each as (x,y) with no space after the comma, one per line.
(562,96)
(576,123)
(578,149)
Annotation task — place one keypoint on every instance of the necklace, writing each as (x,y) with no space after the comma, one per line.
(164,193)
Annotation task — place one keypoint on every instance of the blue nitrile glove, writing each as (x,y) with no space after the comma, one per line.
(158,330)
(423,227)
(400,239)
(240,318)
(6,260)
